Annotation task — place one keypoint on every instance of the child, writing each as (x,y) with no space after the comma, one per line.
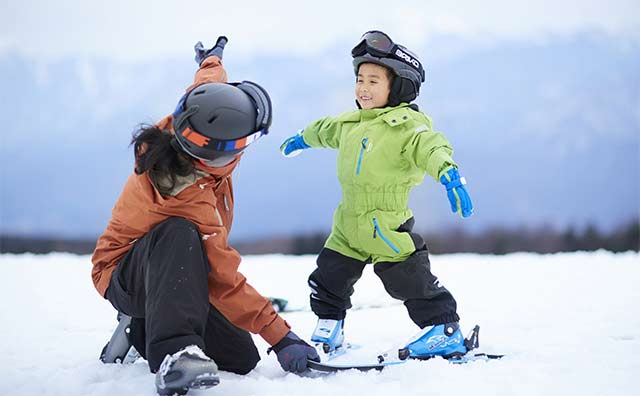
(164,259)
(384,150)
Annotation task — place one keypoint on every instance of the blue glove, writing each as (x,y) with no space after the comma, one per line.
(293,353)
(203,53)
(457,192)
(293,146)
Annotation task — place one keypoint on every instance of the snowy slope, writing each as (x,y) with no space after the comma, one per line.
(568,322)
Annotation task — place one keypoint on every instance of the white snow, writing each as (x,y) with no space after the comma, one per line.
(569,324)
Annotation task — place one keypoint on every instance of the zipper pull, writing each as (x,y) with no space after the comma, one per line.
(226,204)
(364,143)
(375,231)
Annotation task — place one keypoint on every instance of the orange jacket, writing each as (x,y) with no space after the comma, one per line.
(208,203)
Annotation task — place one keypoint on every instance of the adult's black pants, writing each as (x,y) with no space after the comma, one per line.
(162,284)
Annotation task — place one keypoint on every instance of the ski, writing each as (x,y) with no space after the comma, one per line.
(332,367)
(282,306)
(403,355)
(329,367)
(476,356)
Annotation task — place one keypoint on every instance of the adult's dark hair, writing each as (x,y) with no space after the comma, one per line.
(155,154)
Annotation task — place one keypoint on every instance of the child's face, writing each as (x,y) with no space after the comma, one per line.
(372,86)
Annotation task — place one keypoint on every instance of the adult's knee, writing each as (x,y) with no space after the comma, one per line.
(177,224)
(177,232)
(177,239)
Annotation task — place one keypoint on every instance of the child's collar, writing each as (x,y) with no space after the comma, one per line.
(377,112)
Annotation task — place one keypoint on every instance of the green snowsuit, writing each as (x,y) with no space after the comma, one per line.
(382,154)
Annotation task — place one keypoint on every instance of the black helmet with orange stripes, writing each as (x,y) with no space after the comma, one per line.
(215,121)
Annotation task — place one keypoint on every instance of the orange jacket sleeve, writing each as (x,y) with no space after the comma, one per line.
(236,299)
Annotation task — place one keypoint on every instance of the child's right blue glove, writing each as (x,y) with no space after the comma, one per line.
(457,192)
(293,145)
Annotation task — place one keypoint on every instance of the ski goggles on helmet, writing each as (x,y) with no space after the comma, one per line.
(185,130)
(220,159)
(262,101)
(380,45)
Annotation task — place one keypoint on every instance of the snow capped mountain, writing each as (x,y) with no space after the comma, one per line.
(541,131)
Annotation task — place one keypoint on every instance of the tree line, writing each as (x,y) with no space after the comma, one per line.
(496,240)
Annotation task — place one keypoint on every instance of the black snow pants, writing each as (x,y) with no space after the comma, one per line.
(162,284)
(410,281)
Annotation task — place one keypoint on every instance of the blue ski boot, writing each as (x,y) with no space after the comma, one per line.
(330,334)
(445,340)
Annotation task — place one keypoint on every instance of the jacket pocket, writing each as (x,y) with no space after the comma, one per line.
(377,232)
(379,235)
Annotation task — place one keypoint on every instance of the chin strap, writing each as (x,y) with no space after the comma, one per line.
(175,144)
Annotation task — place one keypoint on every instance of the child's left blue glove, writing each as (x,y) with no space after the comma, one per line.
(293,145)
(457,192)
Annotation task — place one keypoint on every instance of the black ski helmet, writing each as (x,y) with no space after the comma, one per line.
(376,47)
(217,120)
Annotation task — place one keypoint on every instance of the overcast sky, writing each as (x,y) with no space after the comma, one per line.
(131,30)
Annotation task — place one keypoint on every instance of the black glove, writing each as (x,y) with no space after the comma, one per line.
(202,53)
(293,353)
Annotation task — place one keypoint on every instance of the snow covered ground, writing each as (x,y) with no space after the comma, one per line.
(569,324)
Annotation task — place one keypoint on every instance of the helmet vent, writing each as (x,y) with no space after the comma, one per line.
(200,92)
(212,119)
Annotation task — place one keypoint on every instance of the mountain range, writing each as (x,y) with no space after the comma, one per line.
(547,134)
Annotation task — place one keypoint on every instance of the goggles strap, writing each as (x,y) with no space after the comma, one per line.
(237,144)
(379,44)
(176,144)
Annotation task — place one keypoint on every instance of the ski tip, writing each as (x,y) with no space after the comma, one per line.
(332,368)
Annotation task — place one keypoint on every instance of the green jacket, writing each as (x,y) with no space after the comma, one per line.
(382,154)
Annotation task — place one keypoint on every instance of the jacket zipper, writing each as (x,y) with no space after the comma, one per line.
(376,231)
(226,204)
(219,217)
(362,148)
